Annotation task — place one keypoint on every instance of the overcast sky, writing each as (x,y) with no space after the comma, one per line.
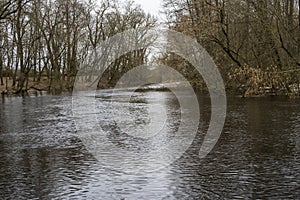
(153,7)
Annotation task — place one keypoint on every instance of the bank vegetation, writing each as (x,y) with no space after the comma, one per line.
(254,43)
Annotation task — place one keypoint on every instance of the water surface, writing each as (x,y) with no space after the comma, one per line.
(42,156)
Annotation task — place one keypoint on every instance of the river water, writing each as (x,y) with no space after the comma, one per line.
(42,155)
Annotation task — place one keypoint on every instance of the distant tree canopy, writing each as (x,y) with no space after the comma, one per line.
(245,38)
(45,40)
(255,43)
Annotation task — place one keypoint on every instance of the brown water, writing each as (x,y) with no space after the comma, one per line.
(257,156)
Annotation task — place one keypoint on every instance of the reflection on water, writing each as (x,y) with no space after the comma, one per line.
(257,156)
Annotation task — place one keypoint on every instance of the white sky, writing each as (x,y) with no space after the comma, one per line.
(153,7)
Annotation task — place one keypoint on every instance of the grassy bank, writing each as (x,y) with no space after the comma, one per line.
(32,86)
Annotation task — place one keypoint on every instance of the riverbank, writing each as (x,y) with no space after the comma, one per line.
(42,87)
(32,87)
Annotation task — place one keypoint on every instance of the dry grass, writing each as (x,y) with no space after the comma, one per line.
(39,86)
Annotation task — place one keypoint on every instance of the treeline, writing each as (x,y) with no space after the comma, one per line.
(255,43)
(43,42)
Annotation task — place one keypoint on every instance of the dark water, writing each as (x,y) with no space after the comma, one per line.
(257,156)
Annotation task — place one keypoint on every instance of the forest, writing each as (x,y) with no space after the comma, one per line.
(254,43)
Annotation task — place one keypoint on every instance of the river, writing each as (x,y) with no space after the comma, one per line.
(42,155)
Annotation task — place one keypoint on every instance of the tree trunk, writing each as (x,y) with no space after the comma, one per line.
(1,72)
(299,27)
